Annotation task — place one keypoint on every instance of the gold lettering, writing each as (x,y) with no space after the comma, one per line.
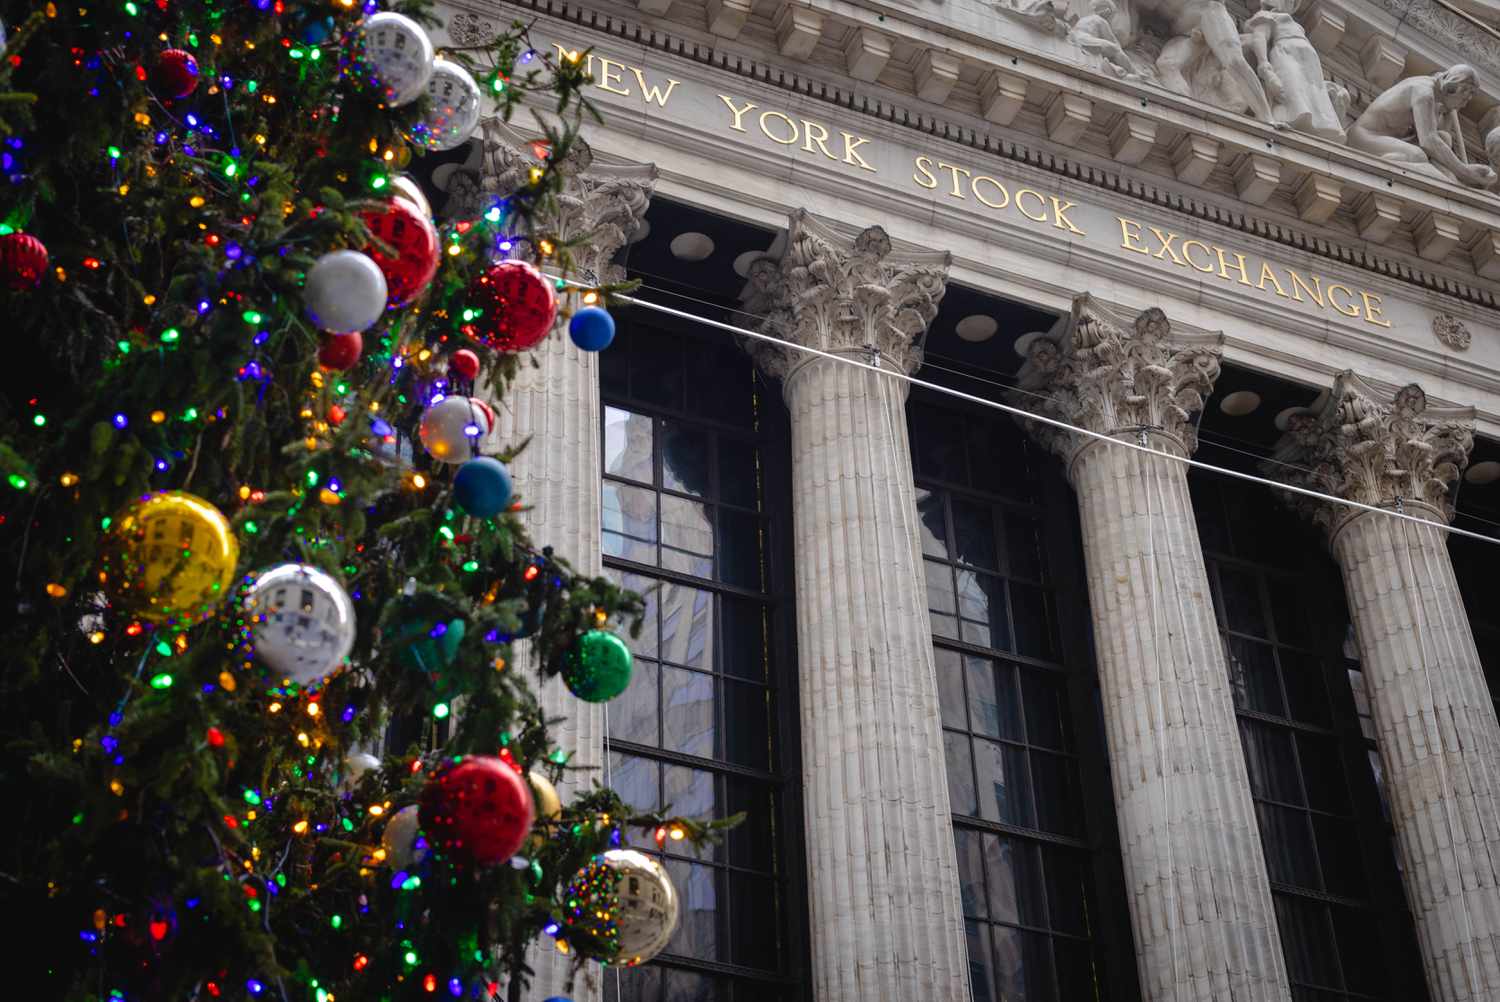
(851,155)
(1314,291)
(1004,195)
(738,113)
(1265,273)
(1372,309)
(1060,215)
(1239,266)
(1040,200)
(1350,310)
(1187,255)
(652,94)
(609,73)
(1130,238)
(819,139)
(955,171)
(1166,244)
(927,179)
(790,124)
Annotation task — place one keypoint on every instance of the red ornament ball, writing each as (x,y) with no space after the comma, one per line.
(176,73)
(477,808)
(401,225)
(517,305)
(341,351)
(23,259)
(464,364)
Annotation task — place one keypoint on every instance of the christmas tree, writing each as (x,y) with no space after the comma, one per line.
(268,714)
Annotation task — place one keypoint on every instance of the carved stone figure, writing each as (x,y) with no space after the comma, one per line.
(1415,108)
(1095,36)
(1338,97)
(1489,130)
(1289,67)
(1206,23)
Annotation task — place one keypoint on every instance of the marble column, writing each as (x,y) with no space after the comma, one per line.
(1200,898)
(883,881)
(555,404)
(1435,724)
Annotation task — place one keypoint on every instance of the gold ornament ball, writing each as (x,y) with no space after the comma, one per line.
(548,805)
(170,555)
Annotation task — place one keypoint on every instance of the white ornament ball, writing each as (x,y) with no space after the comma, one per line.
(394,55)
(301,622)
(399,840)
(345,292)
(453,429)
(648,906)
(356,764)
(454,106)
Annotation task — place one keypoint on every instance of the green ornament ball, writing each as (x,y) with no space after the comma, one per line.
(597,669)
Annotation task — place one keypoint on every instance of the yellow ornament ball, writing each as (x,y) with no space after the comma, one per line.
(548,804)
(170,555)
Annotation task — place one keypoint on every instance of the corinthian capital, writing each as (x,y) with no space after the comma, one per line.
(1365,445)
(837,293)
(1114,373)
(601,202)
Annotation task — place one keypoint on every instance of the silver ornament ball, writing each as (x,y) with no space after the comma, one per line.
(345,292)
(648,906)
(301,622)
(454,107)
(394,55)
(454,428)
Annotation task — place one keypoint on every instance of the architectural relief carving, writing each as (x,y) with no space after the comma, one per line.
(1111,374)
(835,294)
(1426,108)
(603,201)
(1365,446)
(1451,331)
(1289,67)
(1092,33)
(1476,44)
(471,29)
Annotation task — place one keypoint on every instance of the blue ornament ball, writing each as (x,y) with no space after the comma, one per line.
(592,329)
(482,487)
(558,998)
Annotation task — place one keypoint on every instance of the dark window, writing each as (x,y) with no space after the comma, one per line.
(686,522)
(1309,749)
(1009,715)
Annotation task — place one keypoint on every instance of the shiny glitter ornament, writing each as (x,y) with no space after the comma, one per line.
(597,669)
(414,241)
(511,307)
(169,556)
(176,74)
(392,55)
(482,487)
(403,186)
(23,260)
(453,428)
(648,907)
(300,623)
(592,329)
(454,104)
(345,292)
(477,809)
(341,351)
(402,840)
(464,364)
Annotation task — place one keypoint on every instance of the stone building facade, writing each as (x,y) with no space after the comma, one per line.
(1028,708)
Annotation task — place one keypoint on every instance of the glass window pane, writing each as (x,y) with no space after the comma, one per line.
(1323,773)
(630,511)
(1036,635)
(1048,722)
(1013,868)
(685,459)
(689,986)
(1003,785)
(1023,547)
(635,780)
(981,962)
(752,921)
(655,362)
(1291,613)
(721,385)
(1057,804)
(740,549)
(749,844)
(981,603)
(1287,838)
(632,715)
(994,706)
(933,523)
(1067,891)
(943,626)
(1268,757)
(627,444)
(937,444)
(687,625)
(1307,939)
(1078,977)
(950,687)
(940,597)
(969,847)
(747,728)
(1023,966)
(974,534)
(699,895)
(686,525)
(961,798)
(1364,969)
(638,984)
(688,792)
(738,472)
(745,629)
(1306,693)
(1240,599)
(687,710)
(1252,676)
(693,564)
(645,645)
(1338,852)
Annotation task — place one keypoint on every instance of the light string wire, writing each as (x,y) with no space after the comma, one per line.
(1021,412)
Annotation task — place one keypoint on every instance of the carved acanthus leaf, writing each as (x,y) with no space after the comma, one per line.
(1112,374)
(471,29)
(836,294)
(1369,447)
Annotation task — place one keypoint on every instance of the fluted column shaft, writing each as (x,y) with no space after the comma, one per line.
(883,880)
(1200,899)
(1439,742)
